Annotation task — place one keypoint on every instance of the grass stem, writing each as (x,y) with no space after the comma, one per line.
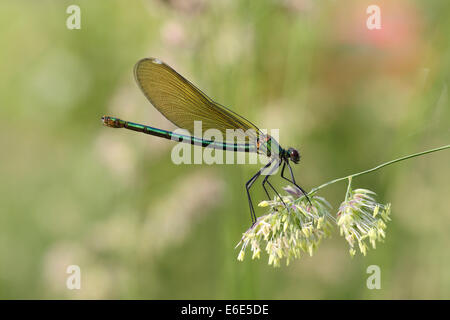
(378,167)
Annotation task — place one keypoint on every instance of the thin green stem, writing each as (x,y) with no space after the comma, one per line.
(348,188)
(379,167)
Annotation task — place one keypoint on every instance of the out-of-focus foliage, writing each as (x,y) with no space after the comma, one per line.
(110,201)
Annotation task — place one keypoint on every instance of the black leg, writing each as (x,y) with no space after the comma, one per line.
(276,192)
(267,193)
(248,185)
(266,180)
(293,179)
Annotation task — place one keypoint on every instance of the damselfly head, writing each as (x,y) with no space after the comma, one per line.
(294,155)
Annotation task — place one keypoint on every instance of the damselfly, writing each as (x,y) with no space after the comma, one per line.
(182,103)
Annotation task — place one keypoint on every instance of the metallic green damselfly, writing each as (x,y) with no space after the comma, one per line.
(182,103)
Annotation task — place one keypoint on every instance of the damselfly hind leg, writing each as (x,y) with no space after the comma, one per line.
(248,185)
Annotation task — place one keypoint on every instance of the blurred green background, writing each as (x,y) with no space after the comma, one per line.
(112,202)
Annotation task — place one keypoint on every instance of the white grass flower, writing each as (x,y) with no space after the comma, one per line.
(286,233)
(361,220)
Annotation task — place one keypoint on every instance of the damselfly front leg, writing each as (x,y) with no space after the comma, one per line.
(293,180)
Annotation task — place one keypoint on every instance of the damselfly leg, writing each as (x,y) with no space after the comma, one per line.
(293,180)
(248,185)
(266,180)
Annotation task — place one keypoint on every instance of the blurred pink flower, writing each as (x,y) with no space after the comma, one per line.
(173,34)
(400,26)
